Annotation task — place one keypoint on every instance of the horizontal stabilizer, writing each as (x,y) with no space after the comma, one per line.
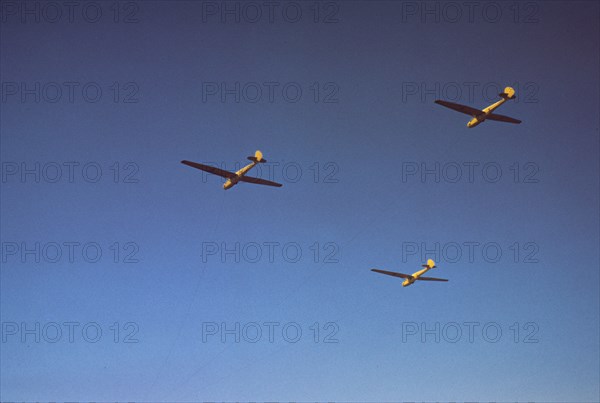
(505,96)
(254,159)
(430,264)
(257,157)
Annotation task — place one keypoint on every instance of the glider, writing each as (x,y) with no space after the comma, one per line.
(411,278)
(234,177)
(486,113)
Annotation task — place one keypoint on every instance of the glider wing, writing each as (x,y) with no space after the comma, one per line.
(209,169)
(259,181)
(392,273)
(459,108)
(431,279)
(502,118)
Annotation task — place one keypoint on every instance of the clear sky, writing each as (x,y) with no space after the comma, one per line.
(127,276)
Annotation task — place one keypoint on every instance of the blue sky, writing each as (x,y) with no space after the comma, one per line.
(104,230)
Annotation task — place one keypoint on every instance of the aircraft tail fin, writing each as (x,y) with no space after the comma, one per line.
(509,93)
(258,157)
(430,264)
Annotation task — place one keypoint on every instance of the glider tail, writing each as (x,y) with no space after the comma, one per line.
(258,157)
(509,93)
(430,264)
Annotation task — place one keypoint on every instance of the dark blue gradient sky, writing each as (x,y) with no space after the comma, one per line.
(104,230)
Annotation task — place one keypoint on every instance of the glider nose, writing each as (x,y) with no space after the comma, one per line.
(473,122)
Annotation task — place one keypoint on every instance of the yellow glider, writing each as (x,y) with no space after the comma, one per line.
(411,278)
(486,113)
(234,177)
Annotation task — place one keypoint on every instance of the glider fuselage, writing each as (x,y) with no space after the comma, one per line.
(414,277)
(484,113)
(411,278)
(231,182)
(232,178)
